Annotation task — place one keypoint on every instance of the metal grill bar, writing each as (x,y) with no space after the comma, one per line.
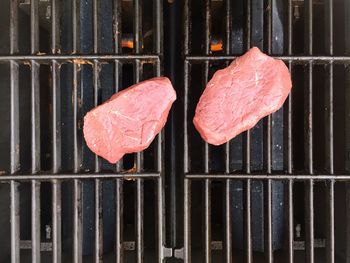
(77,221)
(187,183)
(330,222)
(35,88)
(286,177)
(268,153)
(117,30)
(76,86)
(35,117)
(247,220)
(329,133)
(119,221)
(14,222)
(247,183)
(14,141)
(15,151)
(297,60)
(80,176)
(131,176)
(290,221)
(160,169)
(87,59)
(77,187)
(309,213)
(56,222)
(158,21)
(227,185)
(309,118)
(309,220)
(34,26)
(207,221)
(96,67)
(56,91)
(139,156)
(187,221)
(96,83)
(98,249)
(187,256)
(35,133)
(228,221)
(139,220)
(207,183)
(35,188)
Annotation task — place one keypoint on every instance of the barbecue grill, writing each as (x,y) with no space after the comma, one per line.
(272,194)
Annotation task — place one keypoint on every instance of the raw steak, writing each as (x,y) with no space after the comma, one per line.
(130,119)
(237,97)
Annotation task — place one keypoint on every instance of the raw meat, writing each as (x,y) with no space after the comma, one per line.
(129,121)
(237,97)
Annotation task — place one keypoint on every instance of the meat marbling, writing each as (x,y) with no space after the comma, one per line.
(237,97)
(129,121)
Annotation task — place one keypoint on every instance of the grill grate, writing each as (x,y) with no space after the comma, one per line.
(290,177)
(56,177)
(78,186)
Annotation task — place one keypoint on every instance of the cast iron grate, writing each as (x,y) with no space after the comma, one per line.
(75,49)
(307,41)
